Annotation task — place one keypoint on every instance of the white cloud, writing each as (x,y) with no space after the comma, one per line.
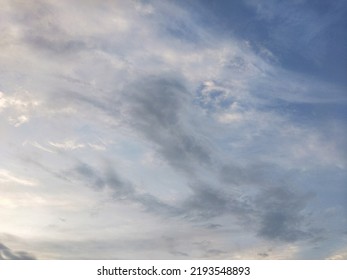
(37,145)
(230,117)
(67,145)
(16,122)
(338,255)
(97,147)
(7,177)
(20,102)
(75,145)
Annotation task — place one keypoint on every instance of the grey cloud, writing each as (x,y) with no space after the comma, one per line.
(7,254)
(156,102)
(277,211)
(57,46)
(99,180)
(172,245)
(59,175)
(208,202)
(234,175)
(213,226)
(155,205)
(253,173)
(282,214)
(91,175)
(278,206)
(144,247)
(121,189)
(208,250)
(263,255)
(214,253)
(40,28)
(157,109)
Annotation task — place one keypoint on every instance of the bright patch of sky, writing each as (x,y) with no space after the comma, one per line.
(217,128)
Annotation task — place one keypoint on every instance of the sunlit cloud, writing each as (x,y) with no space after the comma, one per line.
(7,177)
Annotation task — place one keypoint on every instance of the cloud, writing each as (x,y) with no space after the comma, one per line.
(96,93)
(339,255)
(37,145)
(207,202)
(85,171)
(7,254)
(276,212)
(18,107)
(282,214)
(67,145)
(121,190)
(6,176)
(276,207)
(157,109)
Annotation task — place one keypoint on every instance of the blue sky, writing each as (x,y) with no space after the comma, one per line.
(173,129)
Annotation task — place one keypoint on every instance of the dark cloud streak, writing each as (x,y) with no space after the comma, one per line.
(282,214)
(7,254)
(157,109)
(121,190)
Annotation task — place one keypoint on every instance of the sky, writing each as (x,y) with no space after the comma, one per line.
(173,129)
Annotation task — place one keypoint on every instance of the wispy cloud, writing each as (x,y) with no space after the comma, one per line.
(7,176)
(7,254)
